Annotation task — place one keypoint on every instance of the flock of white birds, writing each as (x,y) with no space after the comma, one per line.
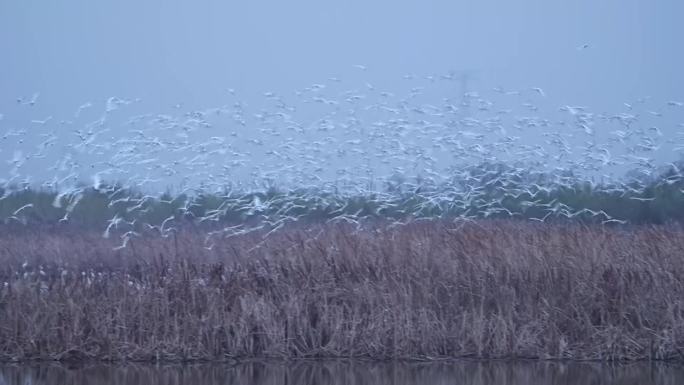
(333,137)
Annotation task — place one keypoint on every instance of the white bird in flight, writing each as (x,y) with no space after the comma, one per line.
(42,122)
(539,91)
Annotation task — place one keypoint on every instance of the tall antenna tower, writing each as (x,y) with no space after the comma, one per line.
(466,78)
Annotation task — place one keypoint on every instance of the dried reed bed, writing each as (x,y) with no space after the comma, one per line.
(424,290)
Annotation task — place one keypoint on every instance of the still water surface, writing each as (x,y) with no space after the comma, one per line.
(347,372)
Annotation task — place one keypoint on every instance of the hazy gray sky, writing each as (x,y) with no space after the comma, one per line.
(170,51)
(598,54)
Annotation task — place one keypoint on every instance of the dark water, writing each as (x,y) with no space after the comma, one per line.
(346,372)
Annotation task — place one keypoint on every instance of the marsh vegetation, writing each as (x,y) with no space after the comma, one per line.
(424,290)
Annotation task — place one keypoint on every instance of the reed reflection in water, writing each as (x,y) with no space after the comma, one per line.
(346,372)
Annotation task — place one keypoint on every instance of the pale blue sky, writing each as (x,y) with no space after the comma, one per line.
(170,52)
(167,51)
